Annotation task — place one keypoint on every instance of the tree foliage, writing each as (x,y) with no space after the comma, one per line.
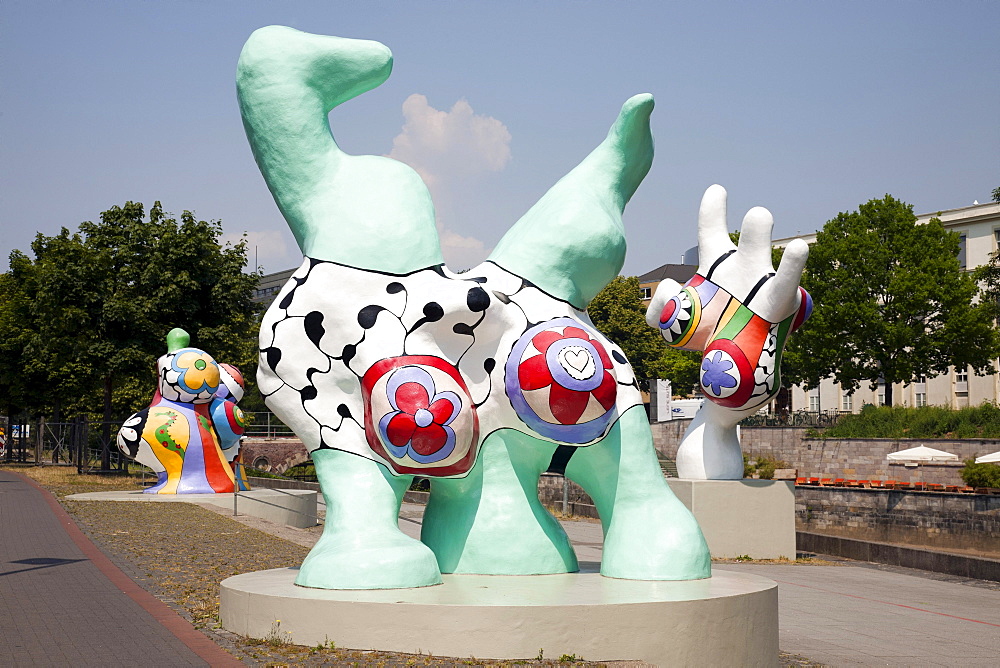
(92,309)
(618,313)
(892,303)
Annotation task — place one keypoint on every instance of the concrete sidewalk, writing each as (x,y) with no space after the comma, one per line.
(854,614)
(63,603)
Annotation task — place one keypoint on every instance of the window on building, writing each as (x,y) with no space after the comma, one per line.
(814,403)
(846,402)
(962,382)
(996,237)
(962,238)
(921,399)
(647,293)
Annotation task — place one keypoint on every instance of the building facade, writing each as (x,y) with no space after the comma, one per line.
(651,279)
(978,227)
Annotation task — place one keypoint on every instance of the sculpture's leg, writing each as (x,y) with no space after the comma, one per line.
(491,521)
(362,546)
(648,533)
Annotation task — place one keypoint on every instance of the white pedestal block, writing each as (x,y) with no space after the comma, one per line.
(730,619)
(294,507)
(755,518)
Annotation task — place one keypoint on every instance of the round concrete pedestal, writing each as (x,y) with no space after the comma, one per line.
(729,619)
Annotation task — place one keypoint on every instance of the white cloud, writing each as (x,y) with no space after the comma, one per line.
(448,149)
(461,252)
(443,144)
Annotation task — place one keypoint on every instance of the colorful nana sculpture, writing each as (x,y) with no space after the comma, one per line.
(192,427)
(388,365)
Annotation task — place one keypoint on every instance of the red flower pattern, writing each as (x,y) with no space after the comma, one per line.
(419,422)
(567,405)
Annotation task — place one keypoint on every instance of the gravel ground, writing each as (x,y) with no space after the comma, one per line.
(143,539)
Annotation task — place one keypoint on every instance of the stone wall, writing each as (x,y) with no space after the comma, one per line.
(859,459)
(926,519)
(550,492)
(280,454)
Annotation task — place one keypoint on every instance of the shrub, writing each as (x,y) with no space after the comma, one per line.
(763,466)
(925,422)
(981,475)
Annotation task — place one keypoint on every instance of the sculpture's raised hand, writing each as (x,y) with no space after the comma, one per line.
(739,311)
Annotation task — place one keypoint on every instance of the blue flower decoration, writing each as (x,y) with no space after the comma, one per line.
(714,374)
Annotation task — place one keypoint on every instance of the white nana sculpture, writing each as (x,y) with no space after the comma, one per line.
(739,311)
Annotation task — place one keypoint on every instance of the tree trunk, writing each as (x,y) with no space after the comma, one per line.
(106,426)
(888,394)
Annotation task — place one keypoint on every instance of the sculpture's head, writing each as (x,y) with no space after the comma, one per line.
(186,375)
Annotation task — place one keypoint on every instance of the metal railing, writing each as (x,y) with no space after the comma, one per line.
(88,444)
(264,424)
(792,419)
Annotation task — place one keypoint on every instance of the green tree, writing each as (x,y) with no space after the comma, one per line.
(618,313)
(21,383)
(96,304)
(892,303)
(996,194)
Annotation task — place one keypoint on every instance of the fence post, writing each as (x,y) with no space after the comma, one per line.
(40,441)
(77,448)
(565,495)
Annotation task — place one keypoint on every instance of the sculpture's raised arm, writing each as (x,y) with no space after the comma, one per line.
(340,207)
(571,243)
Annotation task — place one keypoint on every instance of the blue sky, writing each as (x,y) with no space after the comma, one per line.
(806,108)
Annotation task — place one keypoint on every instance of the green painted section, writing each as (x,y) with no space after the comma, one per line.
(364,211)
(362,546)
(782,336)
(163,435)
(735,324)
(648,533)
(177,338)
(491,522)
(572,242)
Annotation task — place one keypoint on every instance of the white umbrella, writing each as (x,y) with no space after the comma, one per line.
(993,458)
(921,454)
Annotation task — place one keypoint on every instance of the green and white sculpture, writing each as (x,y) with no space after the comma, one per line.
(389,366)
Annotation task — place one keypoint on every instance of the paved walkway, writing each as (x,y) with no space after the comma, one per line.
(63,603)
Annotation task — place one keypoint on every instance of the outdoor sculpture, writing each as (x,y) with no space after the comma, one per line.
(739,311)
(191,425)
(388,365)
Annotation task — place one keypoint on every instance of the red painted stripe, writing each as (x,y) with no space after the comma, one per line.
(898,605)
(182,629)
(217,470)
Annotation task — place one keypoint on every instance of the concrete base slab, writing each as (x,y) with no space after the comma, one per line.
(292,507)
(755,518)
(730,619)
